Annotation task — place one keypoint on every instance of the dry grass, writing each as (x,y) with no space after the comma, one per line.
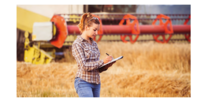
(147,70)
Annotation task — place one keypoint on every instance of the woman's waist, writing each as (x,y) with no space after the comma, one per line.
(87,73)
(91,78)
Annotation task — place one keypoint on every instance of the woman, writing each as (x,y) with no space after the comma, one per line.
(86,54)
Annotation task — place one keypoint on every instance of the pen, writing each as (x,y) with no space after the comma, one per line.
(107,54)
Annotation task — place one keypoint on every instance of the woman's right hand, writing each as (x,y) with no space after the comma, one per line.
(107,59)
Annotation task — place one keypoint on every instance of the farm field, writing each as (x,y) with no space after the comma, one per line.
(147,70)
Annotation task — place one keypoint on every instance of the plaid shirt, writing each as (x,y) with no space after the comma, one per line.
(87,57)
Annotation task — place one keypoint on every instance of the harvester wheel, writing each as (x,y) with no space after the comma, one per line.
(164,40)
(165,26)
(188,37)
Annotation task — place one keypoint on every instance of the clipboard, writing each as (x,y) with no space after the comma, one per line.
(112,61)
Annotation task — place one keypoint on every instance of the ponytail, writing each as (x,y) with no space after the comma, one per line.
(84,21)
(81,23)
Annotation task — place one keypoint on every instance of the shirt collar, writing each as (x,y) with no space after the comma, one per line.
(82,39)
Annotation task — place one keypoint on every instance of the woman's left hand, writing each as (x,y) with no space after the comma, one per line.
(106,67)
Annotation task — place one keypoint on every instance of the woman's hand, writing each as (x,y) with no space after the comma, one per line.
(106,67)
(107,59)
(109,65)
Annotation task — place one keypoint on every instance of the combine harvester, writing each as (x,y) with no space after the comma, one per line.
(41,37)
(159,26)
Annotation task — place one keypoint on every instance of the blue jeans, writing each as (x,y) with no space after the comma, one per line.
(86,89)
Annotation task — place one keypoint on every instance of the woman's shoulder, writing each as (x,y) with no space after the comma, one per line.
(77,42)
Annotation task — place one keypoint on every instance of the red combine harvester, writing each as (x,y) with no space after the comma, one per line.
(157,25)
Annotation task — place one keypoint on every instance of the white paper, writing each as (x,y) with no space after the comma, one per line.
(112,61)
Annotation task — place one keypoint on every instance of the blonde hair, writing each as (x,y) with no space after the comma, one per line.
(86,19)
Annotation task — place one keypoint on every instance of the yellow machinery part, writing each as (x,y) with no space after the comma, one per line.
(28,55)
(26,19)
(54,30)
(34,54)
